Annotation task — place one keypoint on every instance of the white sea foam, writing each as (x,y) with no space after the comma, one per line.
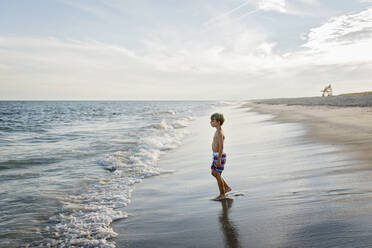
(85,219)
(159,113)
(224,103)
(116,160)
(161,125)
(181,123)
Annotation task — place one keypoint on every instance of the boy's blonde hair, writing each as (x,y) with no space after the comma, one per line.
(218,117)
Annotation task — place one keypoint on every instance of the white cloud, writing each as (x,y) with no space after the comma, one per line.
(67,67)
(250,7)
(230,56)
(272,5)
(345,29)
(342,39)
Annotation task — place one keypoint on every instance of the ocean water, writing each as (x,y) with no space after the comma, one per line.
(67,169)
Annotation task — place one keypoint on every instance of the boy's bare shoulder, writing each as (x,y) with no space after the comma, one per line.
(220,133)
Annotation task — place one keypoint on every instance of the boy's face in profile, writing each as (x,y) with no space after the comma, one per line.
(214,123)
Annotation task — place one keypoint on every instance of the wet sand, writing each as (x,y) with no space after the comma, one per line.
(298,192)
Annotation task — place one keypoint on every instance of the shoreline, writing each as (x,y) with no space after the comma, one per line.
(346,126)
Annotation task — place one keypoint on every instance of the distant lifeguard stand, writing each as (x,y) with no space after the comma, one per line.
(327,90)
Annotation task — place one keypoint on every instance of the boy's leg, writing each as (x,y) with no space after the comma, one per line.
(226,186)
(220,182)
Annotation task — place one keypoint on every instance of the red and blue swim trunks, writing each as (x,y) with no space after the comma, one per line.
(214,166)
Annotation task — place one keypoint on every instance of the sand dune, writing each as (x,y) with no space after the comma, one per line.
(357,100)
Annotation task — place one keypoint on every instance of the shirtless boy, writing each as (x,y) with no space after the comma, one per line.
(219,157)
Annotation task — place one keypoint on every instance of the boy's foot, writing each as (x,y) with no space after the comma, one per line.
(219,198)
(228,189)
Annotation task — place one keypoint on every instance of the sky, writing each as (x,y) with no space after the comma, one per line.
(183,49)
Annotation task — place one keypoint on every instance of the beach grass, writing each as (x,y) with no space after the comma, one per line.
(356,93)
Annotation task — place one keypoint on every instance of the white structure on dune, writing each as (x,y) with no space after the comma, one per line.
(327,90)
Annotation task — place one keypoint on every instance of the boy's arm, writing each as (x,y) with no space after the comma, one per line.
(220,147)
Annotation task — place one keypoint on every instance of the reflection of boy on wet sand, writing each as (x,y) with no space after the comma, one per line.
(219,157)
(228,227)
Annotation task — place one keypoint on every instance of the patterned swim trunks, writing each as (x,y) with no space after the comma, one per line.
(223,162)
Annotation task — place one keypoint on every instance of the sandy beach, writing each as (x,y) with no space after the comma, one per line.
(288,190)
(341,120)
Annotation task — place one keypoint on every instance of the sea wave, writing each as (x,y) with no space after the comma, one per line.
(161,125)
(25,163)
(160,113)
(85,219)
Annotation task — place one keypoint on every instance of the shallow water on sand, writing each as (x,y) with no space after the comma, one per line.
(296,192)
